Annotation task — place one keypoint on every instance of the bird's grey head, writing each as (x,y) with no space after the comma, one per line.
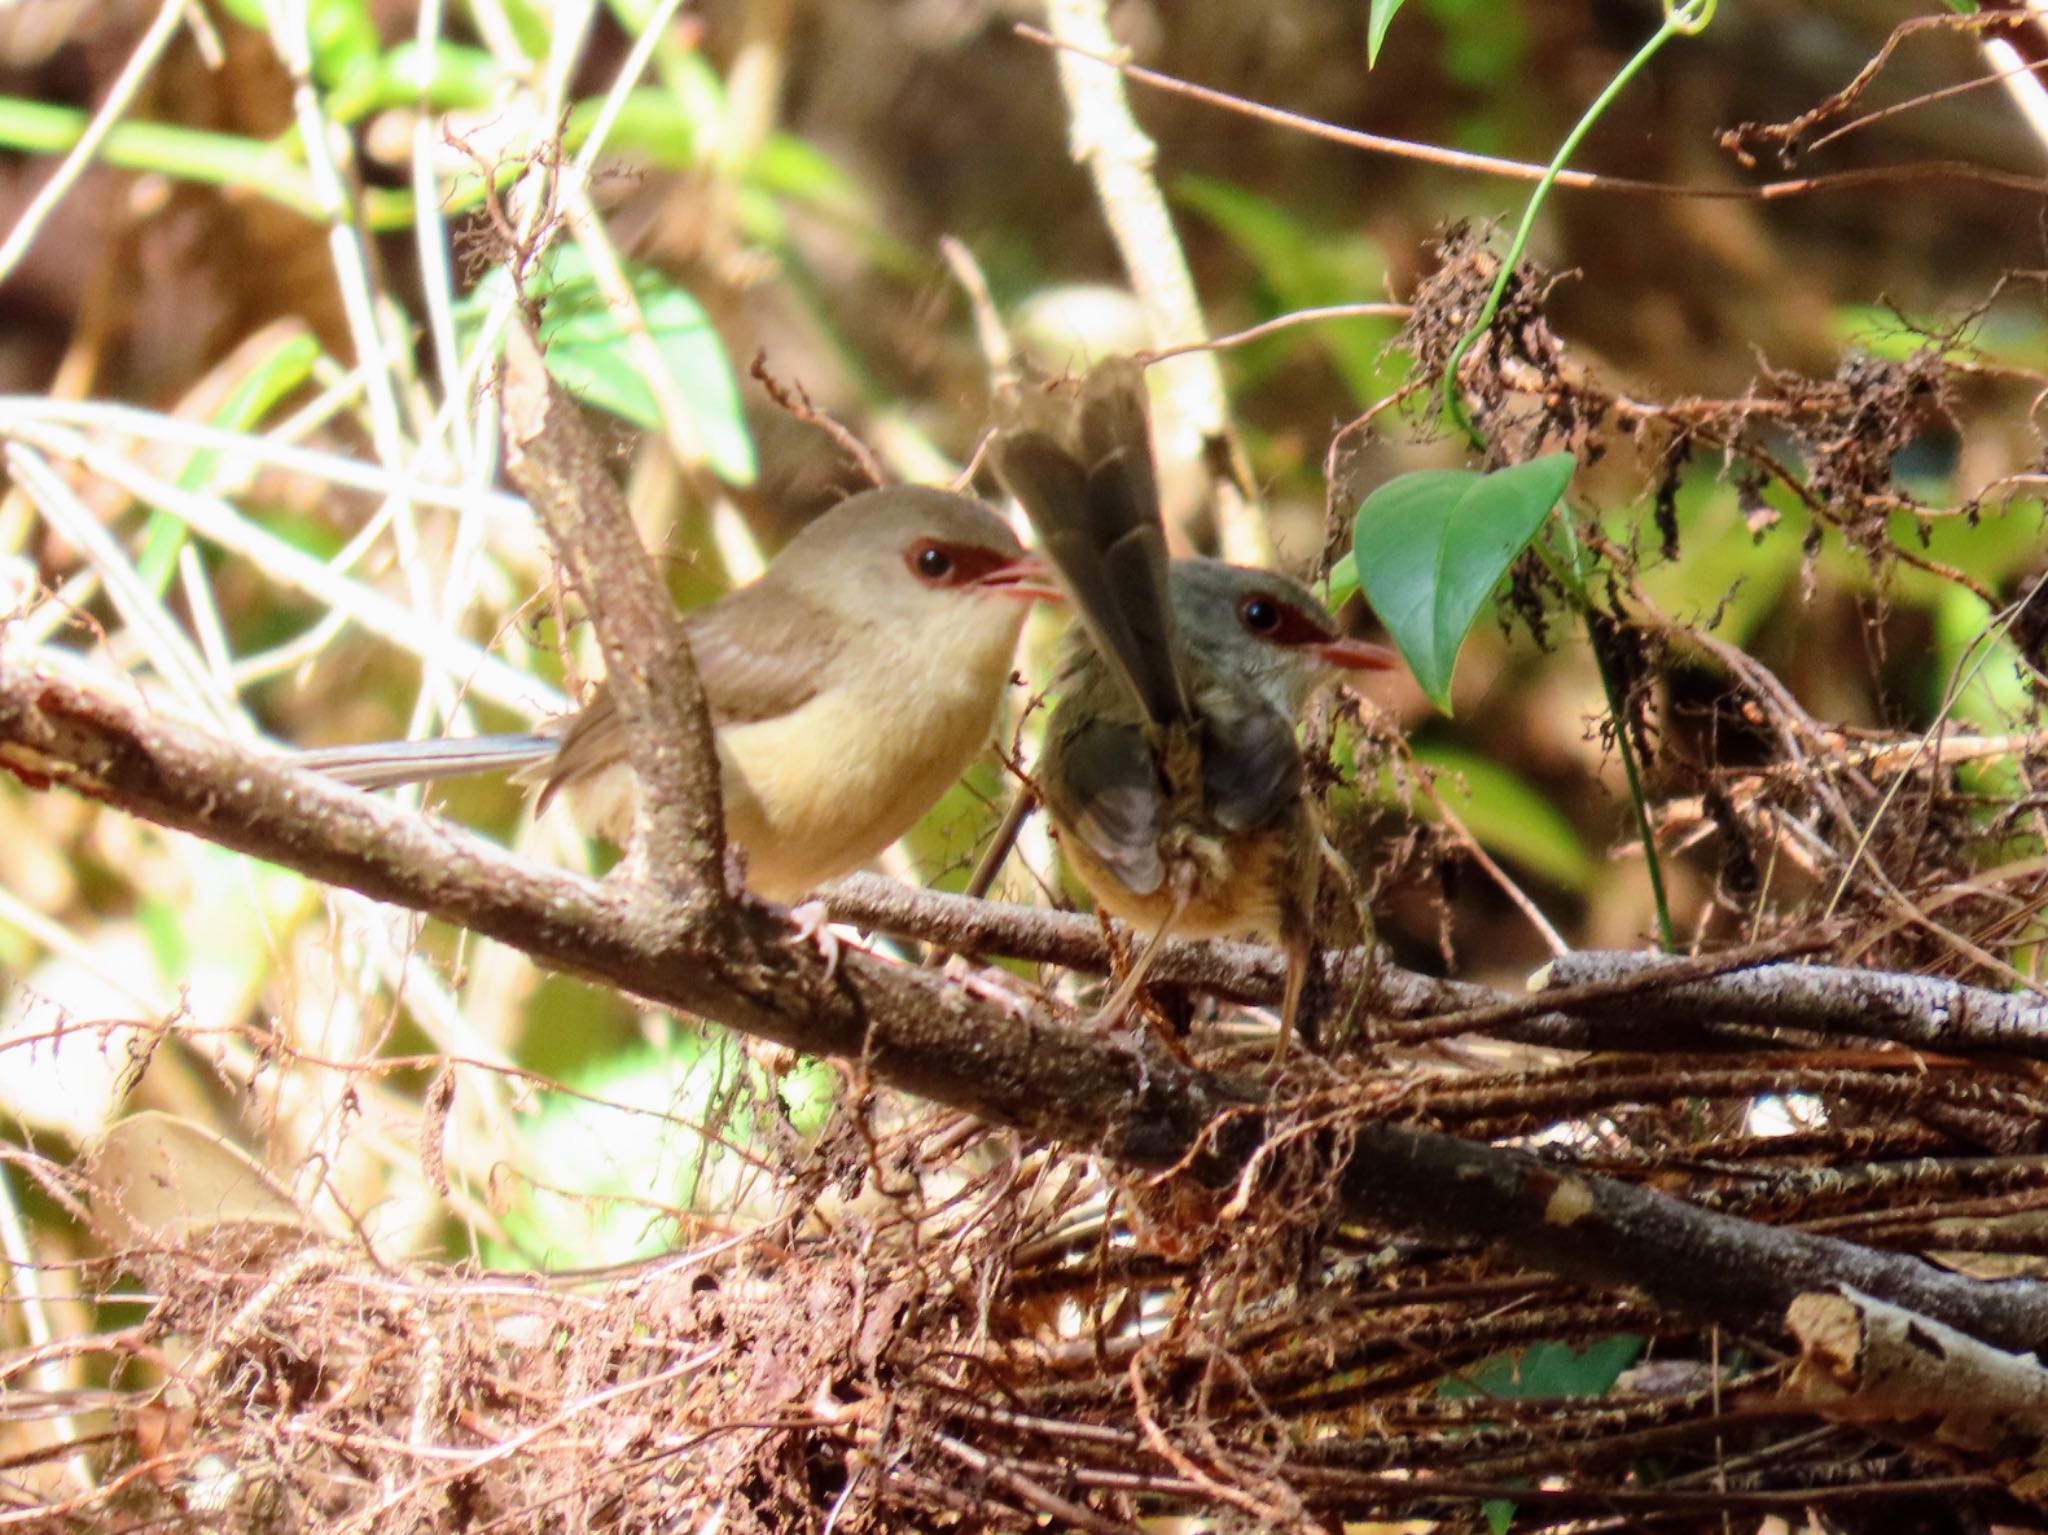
(1262,630)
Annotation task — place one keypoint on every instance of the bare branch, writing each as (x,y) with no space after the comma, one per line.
(928,1036)
(1603,999)
(551,456)
(1924,1011)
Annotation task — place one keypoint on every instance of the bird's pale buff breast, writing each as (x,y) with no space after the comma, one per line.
(1235,882)
(822,790)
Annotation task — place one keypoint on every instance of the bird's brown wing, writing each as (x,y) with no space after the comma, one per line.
(1087,484)
(1102,782)
(761,652)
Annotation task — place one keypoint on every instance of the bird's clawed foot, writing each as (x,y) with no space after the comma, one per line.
(812,925)
(989,985)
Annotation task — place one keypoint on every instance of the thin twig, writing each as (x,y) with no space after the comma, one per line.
(1273,327)
(1945,171)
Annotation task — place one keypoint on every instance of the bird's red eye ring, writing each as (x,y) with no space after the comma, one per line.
(1259,613)
(1274,619)
(940,562)
(944,564)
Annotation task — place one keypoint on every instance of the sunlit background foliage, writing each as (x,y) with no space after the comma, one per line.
(773,187)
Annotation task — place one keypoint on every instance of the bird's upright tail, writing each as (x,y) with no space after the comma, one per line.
(1080,462)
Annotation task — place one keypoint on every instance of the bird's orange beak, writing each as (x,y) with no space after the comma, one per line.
(1358,656)
(1027,576)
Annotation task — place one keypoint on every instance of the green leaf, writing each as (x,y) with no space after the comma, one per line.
(1381,17)
(1557,1369)
(448,77)
(343,37)
(1484,44)
(584,341)
(790,167)
(1549,1369)
(1544,1370)
(647,123)
(1429,547)
(268,169)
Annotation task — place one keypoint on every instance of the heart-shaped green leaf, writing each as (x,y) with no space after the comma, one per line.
(1430,546)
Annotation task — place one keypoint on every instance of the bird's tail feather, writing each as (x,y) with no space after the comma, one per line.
(1081,465)
(385,764)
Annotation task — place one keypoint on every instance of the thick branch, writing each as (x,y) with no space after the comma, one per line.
(1603,1000)
(919,1032)
(1706,1264)
(551,456)
(1923,1011)
(915,1029)
(1239,972)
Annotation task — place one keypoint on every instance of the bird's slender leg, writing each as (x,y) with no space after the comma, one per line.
(1299,945)
(1120,1001)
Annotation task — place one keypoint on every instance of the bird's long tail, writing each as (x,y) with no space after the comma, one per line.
(385,764)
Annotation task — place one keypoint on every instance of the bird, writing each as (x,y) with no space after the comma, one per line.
(1170,767)
(849,686)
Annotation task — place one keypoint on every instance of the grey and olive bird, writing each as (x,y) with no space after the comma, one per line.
(849,687)
(1171,768)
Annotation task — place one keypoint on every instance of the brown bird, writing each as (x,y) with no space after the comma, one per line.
(1170,767)
(849,687)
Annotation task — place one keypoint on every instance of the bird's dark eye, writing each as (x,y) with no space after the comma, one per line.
(932,562)
(1259,613)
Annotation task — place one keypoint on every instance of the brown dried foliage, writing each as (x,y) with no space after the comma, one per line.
(939,1326)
